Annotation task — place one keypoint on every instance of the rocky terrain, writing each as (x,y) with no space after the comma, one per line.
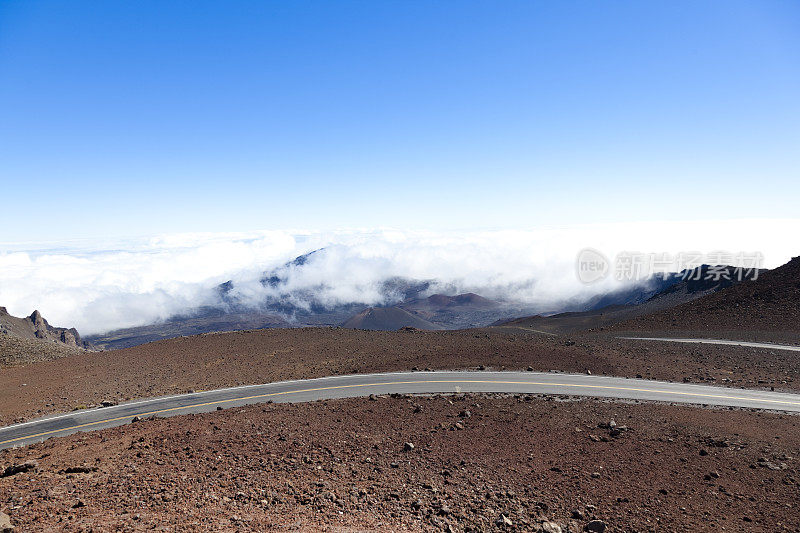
(17,351)
(458,463)
(32,338)
(218,360)
(36,327)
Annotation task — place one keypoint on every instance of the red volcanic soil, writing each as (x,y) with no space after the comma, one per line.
(771,303)
(472,463)
(213,361)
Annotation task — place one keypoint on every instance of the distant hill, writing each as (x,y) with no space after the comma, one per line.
(459,311)
(387,319)
(207,321)
(641,301)
(771,302)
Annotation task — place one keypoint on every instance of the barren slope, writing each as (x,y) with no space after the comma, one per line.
(226,359)
(771,303)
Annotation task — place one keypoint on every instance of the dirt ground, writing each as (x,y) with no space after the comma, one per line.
(227,359)
(472,463)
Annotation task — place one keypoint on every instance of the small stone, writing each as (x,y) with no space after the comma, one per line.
(549,527)
(595,526)
(219,408)
(408,446)
(504,521)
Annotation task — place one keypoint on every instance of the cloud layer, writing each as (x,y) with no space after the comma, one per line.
(98,287)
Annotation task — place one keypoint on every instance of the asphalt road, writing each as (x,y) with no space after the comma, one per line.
(766,345)
(399,382)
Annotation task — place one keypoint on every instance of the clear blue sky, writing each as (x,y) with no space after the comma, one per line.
(125,118)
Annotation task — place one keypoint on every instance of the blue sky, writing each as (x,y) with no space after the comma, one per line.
(127,118)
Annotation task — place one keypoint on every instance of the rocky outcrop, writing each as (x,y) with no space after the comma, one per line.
(36,327)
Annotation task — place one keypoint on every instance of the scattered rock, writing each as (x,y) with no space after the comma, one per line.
(504,521)
(27,466)
(108,403)
(79,470)
(408,446)
(764,463)
(549,527)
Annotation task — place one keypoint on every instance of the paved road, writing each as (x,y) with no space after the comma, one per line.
(767,345)
(400,382)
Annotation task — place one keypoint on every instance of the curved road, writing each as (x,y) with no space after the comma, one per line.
(766,345)
(399,382)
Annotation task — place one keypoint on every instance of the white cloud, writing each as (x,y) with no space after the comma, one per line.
(101,286)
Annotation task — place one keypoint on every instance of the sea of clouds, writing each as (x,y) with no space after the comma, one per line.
(100,286)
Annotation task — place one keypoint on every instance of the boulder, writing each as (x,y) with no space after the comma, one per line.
(5,524)
(595,526)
